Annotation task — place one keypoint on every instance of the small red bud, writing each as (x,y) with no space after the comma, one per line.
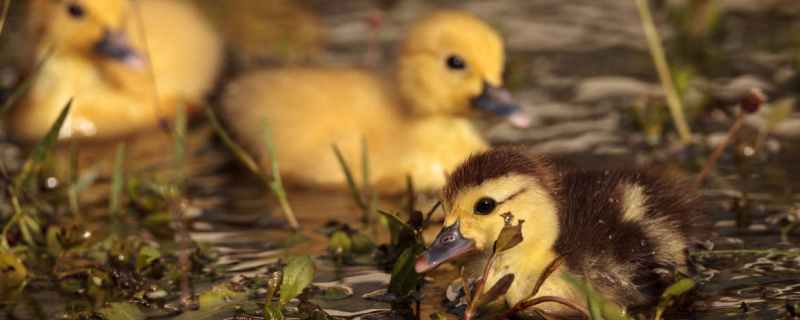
(753,101)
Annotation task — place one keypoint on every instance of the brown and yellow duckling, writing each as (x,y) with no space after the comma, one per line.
(99,61)
(415,122)
(628,228)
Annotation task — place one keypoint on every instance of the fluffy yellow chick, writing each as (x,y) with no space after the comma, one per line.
(415,122)
(100,62)
(627,228)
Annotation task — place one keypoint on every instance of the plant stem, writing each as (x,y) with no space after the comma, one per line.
(721,147)
(465,284)
(350,181)
(473,301)
(27,82)
(522,305)
(780,253)
(277,184)
(71,179)
(664,75)
(18,213)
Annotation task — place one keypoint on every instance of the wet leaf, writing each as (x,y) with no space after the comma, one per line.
(273,283)
(404,277)
(12,272)
(306,310)
(221,296)
(146,256)
(552,267)
(437,316)
(498,289)
(509,237)
(340,243)
(297,275)
(335,293)
(272,312)
(122,311)
(40,152)
(361,244)
(676,289)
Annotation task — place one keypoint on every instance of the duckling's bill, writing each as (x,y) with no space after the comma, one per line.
(498,101)
(448,245)
(115,45)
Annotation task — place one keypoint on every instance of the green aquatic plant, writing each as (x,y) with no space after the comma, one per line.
(665,76)
(276,185)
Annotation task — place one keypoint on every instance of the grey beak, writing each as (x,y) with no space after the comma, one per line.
(498,101)
(449,244)
(115,45)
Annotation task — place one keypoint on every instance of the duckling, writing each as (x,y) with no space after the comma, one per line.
(415,122)
(628,228)
(99,61)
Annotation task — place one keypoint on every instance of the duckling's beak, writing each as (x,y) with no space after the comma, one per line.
(498,102)
(115,45)
(448,245)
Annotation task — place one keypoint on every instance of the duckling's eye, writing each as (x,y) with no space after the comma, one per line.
(76,10)
(485,206)
(455,62)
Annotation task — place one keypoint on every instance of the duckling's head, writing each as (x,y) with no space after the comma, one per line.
(86,28)
(479,191)
(451,62)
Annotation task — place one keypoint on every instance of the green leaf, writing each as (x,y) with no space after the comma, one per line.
(88,177)
(297,275)
(40,152)
(509,237)
(116,181)
(676,289)
(306,310)
(361,243)
(27,82)
(340,243)
(404,278)
(12,272)
(498,289)
(599,307)
(272,312)
(437,316)
(146,256)
(122,311)
(781,110)
(273,283)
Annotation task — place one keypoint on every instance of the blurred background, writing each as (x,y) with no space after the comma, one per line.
(583,68)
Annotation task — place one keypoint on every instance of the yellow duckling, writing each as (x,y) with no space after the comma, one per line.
(99,61)
(628,228)
(415,122)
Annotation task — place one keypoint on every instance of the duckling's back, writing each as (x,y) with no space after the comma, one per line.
(629,228)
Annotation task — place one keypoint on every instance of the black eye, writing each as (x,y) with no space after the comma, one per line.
(485,206)
(76,10)
(455,62)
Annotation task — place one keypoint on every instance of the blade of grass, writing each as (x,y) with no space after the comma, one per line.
(18,213)
(27,82)
(364,165)
(664,75)
(40,152)
(116,185)
(277,184)
(179,141)
(248,161)
(72,189)
(350,181)
(4,15)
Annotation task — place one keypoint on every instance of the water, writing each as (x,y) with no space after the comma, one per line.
(579,71)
